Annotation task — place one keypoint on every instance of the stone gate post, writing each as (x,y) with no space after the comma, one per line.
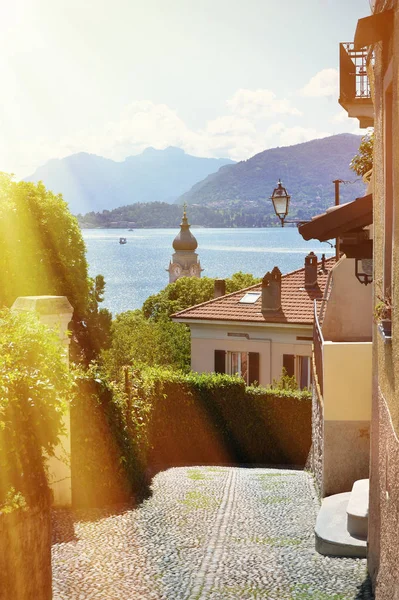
(55,312)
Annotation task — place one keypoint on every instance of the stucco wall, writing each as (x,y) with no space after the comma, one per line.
(347,381)
(348,315)
(271,343)
(25,555)
(347,394)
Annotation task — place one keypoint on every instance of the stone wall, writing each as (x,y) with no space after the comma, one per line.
(25,555)
(384,507)
(316,455)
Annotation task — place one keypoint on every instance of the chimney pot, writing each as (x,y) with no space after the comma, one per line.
(219,288)
(310,271)
(271,291)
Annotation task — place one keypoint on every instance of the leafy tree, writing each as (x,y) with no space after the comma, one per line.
(188,291)
(137,341)
(34,386)
(363,161)
(42,253)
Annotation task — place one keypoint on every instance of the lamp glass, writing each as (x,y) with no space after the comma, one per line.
(281,205)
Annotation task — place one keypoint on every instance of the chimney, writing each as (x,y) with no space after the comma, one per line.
(220,288)
(310,271)
(323,263)
(271,291)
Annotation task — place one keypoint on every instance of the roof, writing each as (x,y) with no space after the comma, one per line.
(340,219)
(296,302)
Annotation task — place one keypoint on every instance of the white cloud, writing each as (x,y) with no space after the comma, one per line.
(297,135)
(260,104)
(246,129)
(340,117)
(323,84)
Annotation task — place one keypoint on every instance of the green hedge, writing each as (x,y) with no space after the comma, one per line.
(206,418)
(170,418)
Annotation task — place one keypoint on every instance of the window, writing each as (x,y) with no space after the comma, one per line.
(250,297)
(303,372)
(289,364)
(245,364)
(298,366)
(237,362)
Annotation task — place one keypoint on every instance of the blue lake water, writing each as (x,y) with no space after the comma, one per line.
(136,270)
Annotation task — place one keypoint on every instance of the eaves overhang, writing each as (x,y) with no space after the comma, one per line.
(231,323)
(373,29)
(338,220)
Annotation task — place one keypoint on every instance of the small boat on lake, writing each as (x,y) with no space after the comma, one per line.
(122,240)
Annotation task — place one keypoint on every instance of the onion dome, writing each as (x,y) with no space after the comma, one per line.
(185,241)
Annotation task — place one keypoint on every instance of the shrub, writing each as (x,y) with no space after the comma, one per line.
(34,383)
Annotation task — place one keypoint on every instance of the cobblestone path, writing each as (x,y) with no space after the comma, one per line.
(205,533)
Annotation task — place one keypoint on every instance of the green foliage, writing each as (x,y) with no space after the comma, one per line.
(166,417)
(286,382)
(42,253)
(34,384)
(109,441)
(137,341)
(362,162)
(188,291)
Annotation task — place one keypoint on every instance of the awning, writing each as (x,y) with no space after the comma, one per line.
(339,220)
(373,29)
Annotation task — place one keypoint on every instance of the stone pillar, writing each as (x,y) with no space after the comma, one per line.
(55,312)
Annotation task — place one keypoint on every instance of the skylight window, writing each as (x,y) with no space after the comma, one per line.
(250,297)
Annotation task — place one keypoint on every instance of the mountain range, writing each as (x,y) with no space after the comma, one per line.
(307,171)
(92,183)
(219,191)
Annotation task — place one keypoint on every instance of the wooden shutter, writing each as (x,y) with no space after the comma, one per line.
(253,372)
(220,361)
(289,364)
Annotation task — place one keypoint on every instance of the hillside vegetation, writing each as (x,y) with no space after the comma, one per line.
(307,171)
(238,195)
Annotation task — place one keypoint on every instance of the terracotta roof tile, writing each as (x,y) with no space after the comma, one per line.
(296,302)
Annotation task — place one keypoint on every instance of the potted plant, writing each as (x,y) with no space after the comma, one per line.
(383,315)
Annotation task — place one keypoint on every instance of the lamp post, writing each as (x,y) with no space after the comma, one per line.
(281,202)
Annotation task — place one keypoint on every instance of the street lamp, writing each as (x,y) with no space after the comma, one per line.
(281,201)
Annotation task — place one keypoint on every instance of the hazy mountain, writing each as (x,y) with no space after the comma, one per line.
(93,183)
(307,171)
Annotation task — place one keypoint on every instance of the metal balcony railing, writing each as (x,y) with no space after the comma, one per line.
(354,81)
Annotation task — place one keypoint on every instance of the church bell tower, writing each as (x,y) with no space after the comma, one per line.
(185,262)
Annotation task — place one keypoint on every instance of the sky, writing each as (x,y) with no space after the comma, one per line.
(220,78)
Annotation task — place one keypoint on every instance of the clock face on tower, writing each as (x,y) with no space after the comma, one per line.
(176,269)
(193,270)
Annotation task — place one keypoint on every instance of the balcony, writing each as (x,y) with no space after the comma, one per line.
(355,94)
(341,407)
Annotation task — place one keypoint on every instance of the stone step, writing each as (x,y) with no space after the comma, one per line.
(358,509)
(332,536)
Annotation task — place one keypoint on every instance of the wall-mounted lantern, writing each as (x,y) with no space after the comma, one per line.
(364,270)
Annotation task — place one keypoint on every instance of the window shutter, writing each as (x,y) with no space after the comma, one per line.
(253,373)
(220,361)
(289,364)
